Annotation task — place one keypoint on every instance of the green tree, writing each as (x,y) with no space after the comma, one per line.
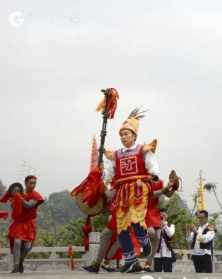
(72,233)
(180,216)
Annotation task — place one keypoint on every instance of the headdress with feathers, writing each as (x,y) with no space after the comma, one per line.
(132,122)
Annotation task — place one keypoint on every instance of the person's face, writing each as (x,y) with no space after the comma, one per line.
(127,137)
(15,190)
(163,216)
(202,219)
(30,185)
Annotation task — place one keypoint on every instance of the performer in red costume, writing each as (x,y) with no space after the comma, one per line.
(22,231)
(129,169)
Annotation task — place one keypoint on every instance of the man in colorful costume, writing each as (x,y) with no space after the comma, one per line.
(133,172)
(130,169)
(22,230)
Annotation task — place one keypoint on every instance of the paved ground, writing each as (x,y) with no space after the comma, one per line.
(84,275)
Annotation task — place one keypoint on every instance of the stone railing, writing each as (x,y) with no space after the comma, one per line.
(52,259)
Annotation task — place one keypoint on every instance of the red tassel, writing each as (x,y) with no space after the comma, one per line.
(111,103)
(71,263)
(94,155)
(86,231)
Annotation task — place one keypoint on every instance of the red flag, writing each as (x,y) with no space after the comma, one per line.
(94,155)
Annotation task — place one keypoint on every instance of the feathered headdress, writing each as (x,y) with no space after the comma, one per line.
(132,122)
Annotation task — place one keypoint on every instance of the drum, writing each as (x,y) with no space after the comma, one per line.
(85,208)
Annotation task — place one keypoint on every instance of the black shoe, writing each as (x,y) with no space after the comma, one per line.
(136,268)
(108,268)
(15,269)
(21,267)
(92,268)
(131,267)
(147,249)
(147,269)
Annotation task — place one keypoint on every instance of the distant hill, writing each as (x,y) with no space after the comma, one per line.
(58,210)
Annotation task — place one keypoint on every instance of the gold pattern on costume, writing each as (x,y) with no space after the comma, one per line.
(134,213)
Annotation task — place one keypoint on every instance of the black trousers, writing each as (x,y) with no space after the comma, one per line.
(163,264)
(203,264)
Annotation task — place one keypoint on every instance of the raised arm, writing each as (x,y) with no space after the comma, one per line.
(29,204)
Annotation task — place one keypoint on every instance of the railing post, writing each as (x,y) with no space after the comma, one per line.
(53,256)
(9,260)
(94,240)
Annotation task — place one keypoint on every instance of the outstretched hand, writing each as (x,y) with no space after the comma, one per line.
(173,184)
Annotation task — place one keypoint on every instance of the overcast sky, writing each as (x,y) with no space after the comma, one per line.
(55,56)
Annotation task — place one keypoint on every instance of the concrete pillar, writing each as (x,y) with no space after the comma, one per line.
(94,240)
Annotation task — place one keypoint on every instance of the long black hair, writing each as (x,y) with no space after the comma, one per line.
(14,185)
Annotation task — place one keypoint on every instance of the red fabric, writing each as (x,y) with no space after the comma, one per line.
(129,163)
(112,222)
(24,231)
(31,213)
(92,187)
(86,231)
(94,155)
(5,198)
(112,102)
(24,219)
(112,96)
(16,202)
(136,244)
(3,214)
(153,212)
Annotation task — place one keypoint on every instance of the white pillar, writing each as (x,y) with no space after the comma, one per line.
(94,240)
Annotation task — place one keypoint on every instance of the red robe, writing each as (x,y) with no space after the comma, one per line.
(24,219)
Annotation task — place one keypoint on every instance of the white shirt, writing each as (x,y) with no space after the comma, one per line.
(151,165)
(201,238)
(164,251)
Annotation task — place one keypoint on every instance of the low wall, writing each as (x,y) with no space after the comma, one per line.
(54,261)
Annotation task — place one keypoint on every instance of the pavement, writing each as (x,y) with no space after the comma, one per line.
(85,275)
